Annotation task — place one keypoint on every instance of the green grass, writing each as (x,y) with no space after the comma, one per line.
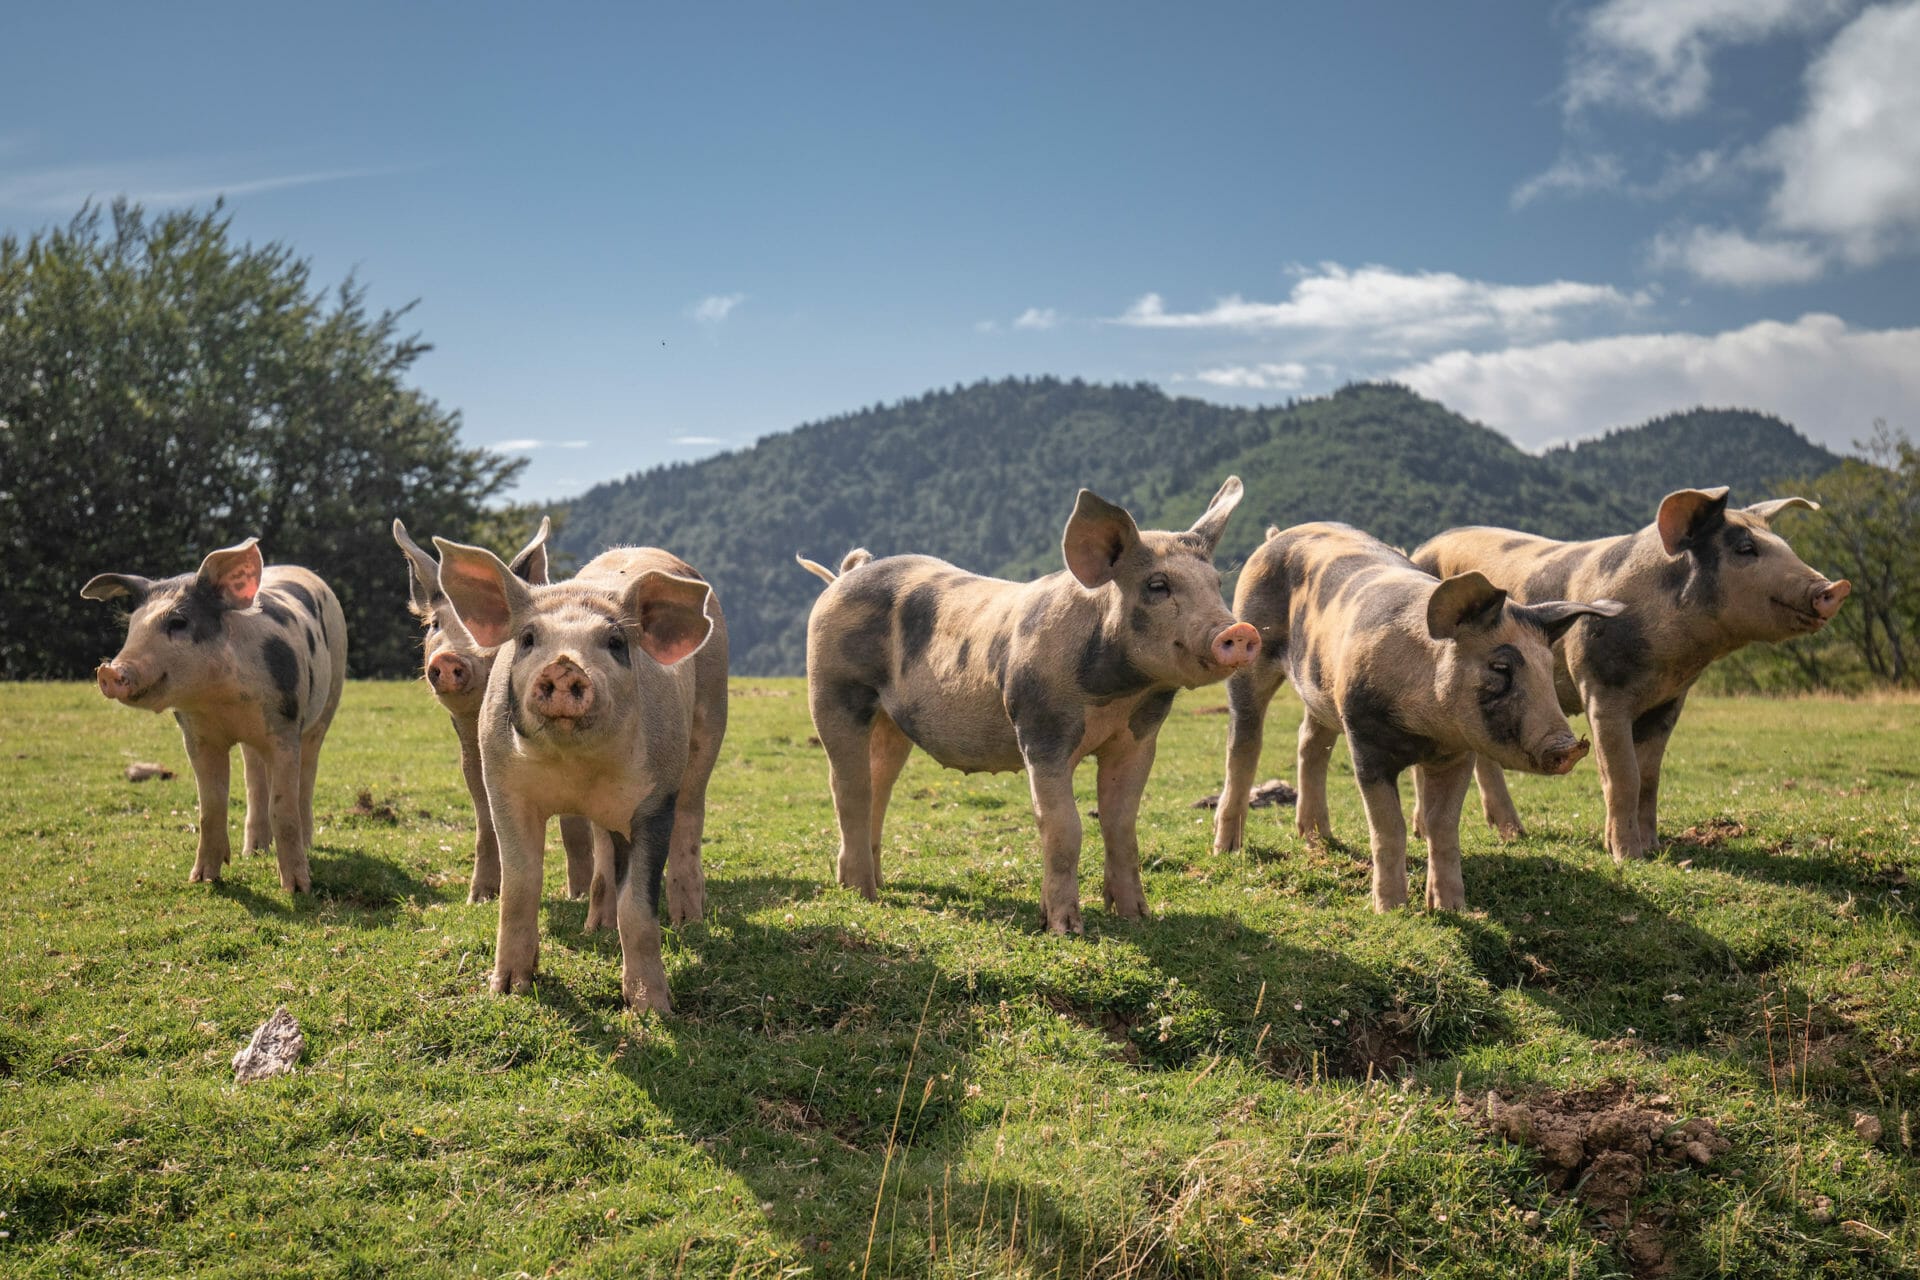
(1264,1078)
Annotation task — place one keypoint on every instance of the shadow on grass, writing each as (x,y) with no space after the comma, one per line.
(349,887)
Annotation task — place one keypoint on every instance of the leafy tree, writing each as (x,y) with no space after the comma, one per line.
(165,390)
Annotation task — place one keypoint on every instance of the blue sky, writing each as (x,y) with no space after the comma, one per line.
(641,234)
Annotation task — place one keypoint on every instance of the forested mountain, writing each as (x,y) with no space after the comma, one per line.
(985,476)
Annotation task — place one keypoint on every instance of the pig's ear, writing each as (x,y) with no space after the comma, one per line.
(1768,510)
(235,572)
(111,586)
(670,614)
(1556,617)
(531,563)
(483,591)
(1686,514)
(1213,521)
(1098,534)
(423,576)
(1464,600)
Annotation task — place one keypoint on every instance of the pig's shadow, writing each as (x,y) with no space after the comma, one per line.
(349,887)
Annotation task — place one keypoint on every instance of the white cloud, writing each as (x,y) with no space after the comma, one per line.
(172,182)
(1037,318)
(1653,55)
(1571,175)
(1827,379)
(698,441)
(530,444)
(1730,257)
(1850,166)
(1288,375)
(716,308)
(1391,308)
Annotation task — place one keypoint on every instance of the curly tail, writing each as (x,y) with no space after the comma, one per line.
(851,561)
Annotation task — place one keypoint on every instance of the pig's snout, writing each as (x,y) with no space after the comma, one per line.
(449,673)
(1238,645)
(116,681)
(1563,755)
(1826,601)
(561,691)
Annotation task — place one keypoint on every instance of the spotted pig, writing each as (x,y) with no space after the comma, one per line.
(984,674)
(240,653)
(1417,672)
(1699,582)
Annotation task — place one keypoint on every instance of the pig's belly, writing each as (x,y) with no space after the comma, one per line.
(968,732)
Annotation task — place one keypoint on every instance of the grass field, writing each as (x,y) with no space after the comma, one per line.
(1265,1078)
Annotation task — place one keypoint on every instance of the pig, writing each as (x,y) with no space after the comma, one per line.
(456,669)
(240,653)
(1699,582)
(607,698)
(984,674)
(1416,671)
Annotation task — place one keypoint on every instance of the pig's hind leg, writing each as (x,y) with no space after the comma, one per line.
(1249,693)
(886,756)
(1440,790)
(289,830)
(1496,801)
(843,715)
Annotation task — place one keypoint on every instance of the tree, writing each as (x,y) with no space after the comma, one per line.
(165,391)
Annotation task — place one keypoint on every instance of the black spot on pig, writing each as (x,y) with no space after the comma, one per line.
(1502,709)
(1032,618)
(1615,557)
(964,657)
(654,836)
(1139,620)
(300,594)
(1106,672)
(1383,747)
(1616,651)
(997,659)
(919,614)
(276,612)
(313,645)
(283,668)
(1338,574)
(864,644)
(1507,544)
(1047,733)
(1656,722)
(1147,717)
(204,608)
(854,700)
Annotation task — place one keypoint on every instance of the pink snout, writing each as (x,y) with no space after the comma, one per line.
(449,673)
(1238,645)
(116,681)
(561,691)
(1561,759)
(1826,602)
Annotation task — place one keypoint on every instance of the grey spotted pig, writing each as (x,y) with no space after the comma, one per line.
(984,674)
(240,653)
(1417,672)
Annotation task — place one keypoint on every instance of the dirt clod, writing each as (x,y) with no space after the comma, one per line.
(1712,833)
(1868,1128)
(141,770)
(1273,791)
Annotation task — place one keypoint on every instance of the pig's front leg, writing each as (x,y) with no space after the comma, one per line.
(1059,817)
(1316,749)
(212,769)
(640,863)
(1123,777)
(1496,801)
(1612,727)
(1387,834)
(516,950)
(1440,791)
(259,782)
(289,835)
(576,837)
(485,885)
(1250,692)
(603,908)
(1652,731)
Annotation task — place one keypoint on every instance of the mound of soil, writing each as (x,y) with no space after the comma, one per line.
(1599,1145)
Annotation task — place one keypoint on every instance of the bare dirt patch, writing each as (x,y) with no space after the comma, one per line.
(1273,791)
(1712,833)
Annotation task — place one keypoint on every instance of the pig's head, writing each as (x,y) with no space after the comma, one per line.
(177,644)
(576,666)
(456,665)
(1742,571)
(1495,672)
(1163,591)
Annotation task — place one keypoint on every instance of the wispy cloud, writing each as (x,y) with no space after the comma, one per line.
(172,182)
(1571,175)
(699,442)
(1382,307)
(1285,375)
(715,309)
(531,445)
(1730,257)
(1037,318)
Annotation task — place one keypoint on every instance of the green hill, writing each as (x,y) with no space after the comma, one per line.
(985,475)
(1701,447)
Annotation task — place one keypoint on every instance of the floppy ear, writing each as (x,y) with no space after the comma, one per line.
(235,571)
(1687,514)
(531,563)
(423,577)
(1556,617)
(484,592)
(1465,600)
(670,613)
(1768,510)
(1213,521)
(111,586)
(1098,534)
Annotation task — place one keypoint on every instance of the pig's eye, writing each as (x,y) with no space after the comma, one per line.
(1502,676)
(1158,588)
(176,623)
(526,638)
(1746,547)
(617,644)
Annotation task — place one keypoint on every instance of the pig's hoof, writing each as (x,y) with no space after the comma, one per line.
(1509,830)
(505,983)
(597,921)
(686,905)
(649,998)
(1129,906)
(1065,922)
(203,875)
(482,893)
